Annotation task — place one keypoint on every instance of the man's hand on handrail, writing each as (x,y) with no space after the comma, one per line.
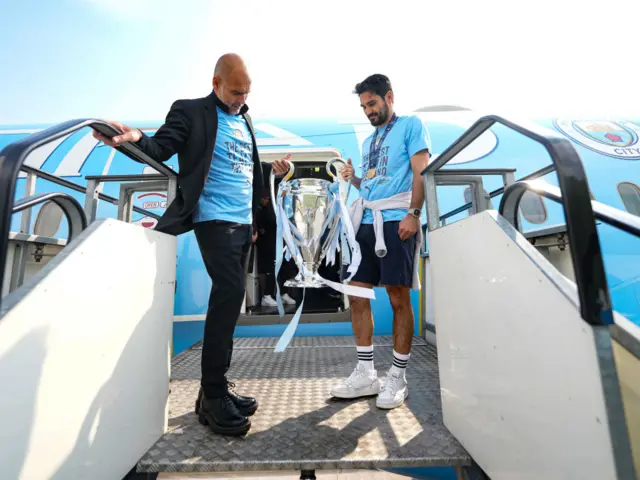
(129,134)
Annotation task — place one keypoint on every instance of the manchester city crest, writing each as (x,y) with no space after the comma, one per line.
(617,139)
(238,134)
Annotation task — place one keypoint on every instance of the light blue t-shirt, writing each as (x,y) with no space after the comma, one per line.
(228,192)
(389,172)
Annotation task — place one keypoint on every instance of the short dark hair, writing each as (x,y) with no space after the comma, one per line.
(376,83)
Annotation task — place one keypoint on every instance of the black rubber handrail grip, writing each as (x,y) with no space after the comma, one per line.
(498,191)
(12,158)
(584,242)
(76,218)
(609,215)
(79,188)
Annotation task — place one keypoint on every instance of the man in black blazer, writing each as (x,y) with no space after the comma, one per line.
(219,186)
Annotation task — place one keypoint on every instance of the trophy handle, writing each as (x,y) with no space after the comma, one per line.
(272,184)
(330,164)
(328,167)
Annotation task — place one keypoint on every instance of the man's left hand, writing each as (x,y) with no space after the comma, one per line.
(408,227)
(280,167)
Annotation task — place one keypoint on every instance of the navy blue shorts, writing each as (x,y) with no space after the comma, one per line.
(395,268)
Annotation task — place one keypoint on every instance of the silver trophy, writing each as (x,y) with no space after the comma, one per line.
(308,203)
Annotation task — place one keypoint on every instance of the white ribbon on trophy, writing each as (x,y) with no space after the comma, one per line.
(307,201)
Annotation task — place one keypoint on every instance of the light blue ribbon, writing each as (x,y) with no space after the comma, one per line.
(346,236)
(286,337)
(346,254)
(279,249)
(285,234)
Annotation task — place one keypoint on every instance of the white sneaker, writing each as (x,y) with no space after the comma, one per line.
(288,300)
(393,392)
(268,301)
(362,382)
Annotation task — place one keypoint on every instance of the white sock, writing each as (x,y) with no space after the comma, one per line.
(400,362)
(365,356)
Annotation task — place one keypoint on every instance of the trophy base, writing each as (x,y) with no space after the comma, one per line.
(310,281)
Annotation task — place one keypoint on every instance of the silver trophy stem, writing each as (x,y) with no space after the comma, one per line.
(311,280)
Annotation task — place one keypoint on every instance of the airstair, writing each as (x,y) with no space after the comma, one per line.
(524,370)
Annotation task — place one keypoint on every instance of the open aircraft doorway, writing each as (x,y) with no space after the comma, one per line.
(322,305)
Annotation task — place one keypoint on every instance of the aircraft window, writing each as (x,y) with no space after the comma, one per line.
(532,207)
(630,194)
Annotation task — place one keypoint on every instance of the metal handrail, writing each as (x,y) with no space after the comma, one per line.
(79,188)
(12,158)
(612,216)
(498,191)
(584,242)
(71,208)
(476,171)
(125,177)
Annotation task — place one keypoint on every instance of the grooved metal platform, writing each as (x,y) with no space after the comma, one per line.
(298,425)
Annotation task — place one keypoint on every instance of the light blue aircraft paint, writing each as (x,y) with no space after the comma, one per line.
(610,151)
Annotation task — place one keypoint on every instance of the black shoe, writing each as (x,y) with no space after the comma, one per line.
(222,416)
(247,406)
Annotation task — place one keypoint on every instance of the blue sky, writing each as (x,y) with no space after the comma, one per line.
(129,59)
(69,58)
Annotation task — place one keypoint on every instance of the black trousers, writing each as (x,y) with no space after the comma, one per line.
(224,247)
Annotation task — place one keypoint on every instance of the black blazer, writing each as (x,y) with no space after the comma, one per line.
(190,130)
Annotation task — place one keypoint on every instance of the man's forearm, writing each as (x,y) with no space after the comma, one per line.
(355,181)
(418,164)
(417,192)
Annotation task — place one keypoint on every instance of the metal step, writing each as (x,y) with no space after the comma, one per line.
(298,425)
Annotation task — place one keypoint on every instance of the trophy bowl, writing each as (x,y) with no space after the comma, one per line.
(307,204)
(309,201)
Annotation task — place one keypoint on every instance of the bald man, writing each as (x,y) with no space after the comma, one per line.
(219,186)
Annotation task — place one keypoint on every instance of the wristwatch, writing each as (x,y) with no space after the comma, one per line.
(415,212)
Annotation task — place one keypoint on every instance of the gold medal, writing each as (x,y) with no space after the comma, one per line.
(371,173)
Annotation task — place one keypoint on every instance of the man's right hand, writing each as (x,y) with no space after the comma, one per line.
(347,171)
(129,134)
(280,167)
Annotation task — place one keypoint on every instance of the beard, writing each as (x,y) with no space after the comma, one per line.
(381,117)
